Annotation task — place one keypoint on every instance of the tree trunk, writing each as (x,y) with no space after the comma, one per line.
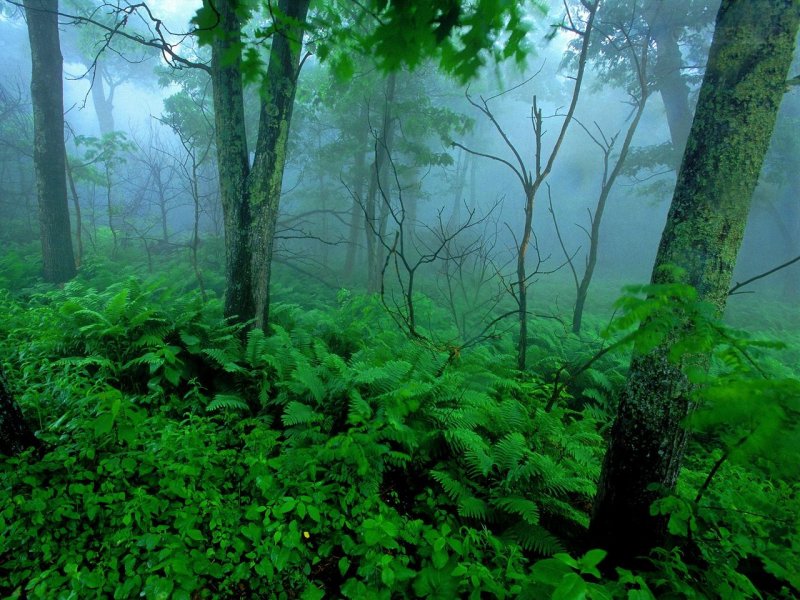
(377,186)
(251,197)
(266,179)
(15,435)
(605,190)
(47,96)
(359,177)
(667,71)
(103,104)
(76,203)
(744,83)
(232,160)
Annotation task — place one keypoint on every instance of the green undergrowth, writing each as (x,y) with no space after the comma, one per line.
(187,458)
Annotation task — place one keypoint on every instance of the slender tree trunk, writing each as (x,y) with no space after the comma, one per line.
(522,276)
(196,229)
(609,179)
(251,197)
(266,179)
(15,435)
(76,203)
(377,186)
(47,95)
(162,204)
(462,165)
(110,209)
(667,71)
(744,83)
(359,177)
(103,104)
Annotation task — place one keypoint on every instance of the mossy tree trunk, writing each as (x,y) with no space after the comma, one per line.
(739,99)
(251,196)
(49,157)
(266,179)
(232,160)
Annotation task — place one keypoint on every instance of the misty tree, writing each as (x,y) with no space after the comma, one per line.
(634,48)
(16,169)
(532,177)
(744,83)
(49,153)
(101,159)
(463,37)
(675,33)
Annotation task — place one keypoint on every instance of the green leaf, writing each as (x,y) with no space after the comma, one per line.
(103,424)
(344,564)
(550,571)
(194,534)
(572,587)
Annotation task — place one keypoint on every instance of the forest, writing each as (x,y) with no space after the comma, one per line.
(399,299)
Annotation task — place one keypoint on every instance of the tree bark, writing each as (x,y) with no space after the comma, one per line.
(47,96)
(15,435)
(251,197)
(266,179)
(743,86)
(232,160)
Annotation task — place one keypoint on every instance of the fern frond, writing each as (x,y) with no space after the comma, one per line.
(297,413)
(227,402)
(223,359)
(535,538)
(510,450)
(473,508)
(516,505)
(452,487)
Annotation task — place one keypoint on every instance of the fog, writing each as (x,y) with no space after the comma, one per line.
(445,181)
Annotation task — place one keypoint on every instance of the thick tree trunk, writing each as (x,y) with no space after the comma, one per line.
(743,86)
(251,197)
(266,179)
(15,435)
(47,96)
(232,161)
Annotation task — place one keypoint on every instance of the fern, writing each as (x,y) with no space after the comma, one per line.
(297,413)
(227,402)
(510,451)
(454,489)
(223,359)
(515,505)
(473,508)
(304,379)
(535,538)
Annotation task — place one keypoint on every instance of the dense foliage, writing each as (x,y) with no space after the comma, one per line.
(184,458)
